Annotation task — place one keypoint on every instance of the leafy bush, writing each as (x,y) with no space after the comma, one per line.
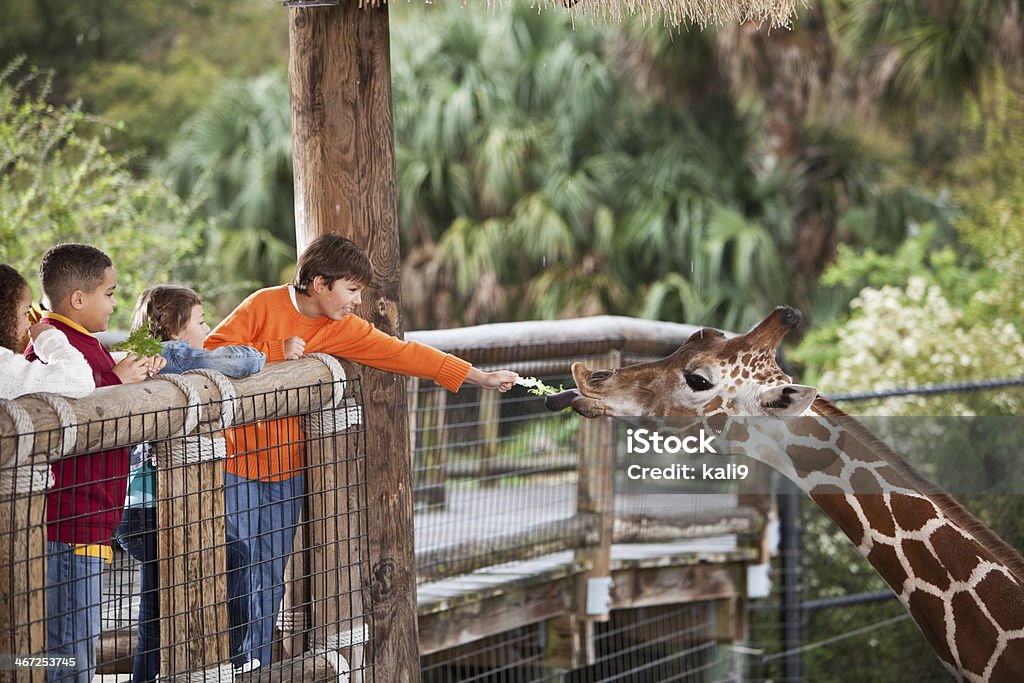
(58,185)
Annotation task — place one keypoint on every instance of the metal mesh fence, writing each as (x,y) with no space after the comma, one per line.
(664,643)
(189,543)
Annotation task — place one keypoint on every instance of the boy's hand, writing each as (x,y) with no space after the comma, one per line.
(294,347)
(502,380)
(38,329)
(132,369)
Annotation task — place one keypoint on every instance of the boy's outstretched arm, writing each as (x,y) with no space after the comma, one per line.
(502,380)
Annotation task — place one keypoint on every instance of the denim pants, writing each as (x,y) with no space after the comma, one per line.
(137,535)
(264,515)
(74,597)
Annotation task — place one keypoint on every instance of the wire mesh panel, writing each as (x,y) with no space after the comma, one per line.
(669,643)
(195,542)
(495,479)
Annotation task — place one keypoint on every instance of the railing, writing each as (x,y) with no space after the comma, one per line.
(502,479)
(497,479)
(201,585)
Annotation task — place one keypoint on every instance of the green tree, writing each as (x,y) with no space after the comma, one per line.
(234,155)
(58,185)
(147,63)
(533,184)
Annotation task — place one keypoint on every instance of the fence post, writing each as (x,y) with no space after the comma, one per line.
(23,550)
(432,488)
(293,618)
(595,498)
(490,412)
(191,553)
(336,530)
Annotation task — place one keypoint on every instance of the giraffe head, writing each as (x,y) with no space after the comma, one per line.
(709,374)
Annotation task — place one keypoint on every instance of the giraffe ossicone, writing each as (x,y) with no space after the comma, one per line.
(961,583)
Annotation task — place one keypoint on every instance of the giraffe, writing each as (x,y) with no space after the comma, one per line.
(961,583)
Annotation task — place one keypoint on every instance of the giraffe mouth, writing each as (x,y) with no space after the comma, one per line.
(562,400)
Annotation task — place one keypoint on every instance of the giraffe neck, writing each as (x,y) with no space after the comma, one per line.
(960,582)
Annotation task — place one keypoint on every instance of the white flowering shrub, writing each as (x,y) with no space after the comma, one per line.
(899,337)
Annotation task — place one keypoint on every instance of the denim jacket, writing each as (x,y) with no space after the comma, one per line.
(233,361)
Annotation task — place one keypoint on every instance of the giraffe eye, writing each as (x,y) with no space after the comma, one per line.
(600,375)
(696,382)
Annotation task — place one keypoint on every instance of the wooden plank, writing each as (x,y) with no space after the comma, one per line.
(488,447)
(192,561)
(337,538)
(23,581)
(294,618)
(339,74)
(463,558)
(472,621)
(595,496)
(116,417)
(643,587)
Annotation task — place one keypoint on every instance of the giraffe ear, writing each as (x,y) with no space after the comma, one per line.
(787,400)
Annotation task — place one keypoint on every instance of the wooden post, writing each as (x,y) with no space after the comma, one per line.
(595,495)
(23,558)
(435,448)
(293,618)
(339,74)
(488,418)
(192,560)
(337,538)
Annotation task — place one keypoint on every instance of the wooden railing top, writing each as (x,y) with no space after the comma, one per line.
(543,339)
(115,417)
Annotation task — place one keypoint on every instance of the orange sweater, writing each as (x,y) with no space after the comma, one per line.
(273,450)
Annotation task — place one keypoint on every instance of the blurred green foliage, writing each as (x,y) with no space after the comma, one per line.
(59,186)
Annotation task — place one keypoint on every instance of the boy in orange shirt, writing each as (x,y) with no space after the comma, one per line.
(264,483)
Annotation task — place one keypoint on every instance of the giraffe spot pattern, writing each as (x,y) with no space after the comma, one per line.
(887,562)
(832,499)
(928,611)
(998,593)
(924,564)
(1010,667)
(891,476)
(864,481)
(959,555)
(879,517)
(975,636)
(911,511)
(807,459)
(809,427)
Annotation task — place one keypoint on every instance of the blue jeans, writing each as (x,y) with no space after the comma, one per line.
(264,515)
(74,597)
(137,535)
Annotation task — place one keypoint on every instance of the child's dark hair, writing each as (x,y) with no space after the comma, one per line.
(69,267)
(167,309)
(12,286)
(332,257)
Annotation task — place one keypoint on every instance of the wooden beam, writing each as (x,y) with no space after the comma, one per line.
(647,586)
(122,416)
(535,541)
(595,496)
(23,580)
(472,621)
(339,74)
